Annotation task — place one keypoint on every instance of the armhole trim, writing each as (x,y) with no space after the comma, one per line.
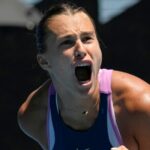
(50,128)
(105,79)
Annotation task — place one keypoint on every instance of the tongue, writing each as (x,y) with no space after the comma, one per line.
(83,73)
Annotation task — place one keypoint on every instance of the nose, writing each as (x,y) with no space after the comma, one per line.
(80,51)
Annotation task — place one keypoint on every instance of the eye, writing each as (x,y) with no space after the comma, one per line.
(67,42)
(87,39)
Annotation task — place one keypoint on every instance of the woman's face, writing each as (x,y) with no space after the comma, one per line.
(73,53)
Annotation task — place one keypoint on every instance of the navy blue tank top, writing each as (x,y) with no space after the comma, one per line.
(95,138)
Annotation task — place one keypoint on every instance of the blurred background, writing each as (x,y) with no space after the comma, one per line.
(124,30)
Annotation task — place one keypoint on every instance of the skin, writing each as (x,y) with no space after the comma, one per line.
(75,35)
(131,95)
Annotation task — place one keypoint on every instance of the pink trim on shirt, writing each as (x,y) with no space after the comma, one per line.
(105,80)
(105,77)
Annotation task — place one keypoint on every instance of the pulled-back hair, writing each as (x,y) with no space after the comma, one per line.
(56,9)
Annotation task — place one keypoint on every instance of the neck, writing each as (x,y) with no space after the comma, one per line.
(79,112)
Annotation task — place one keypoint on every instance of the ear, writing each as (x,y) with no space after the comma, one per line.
(43,62)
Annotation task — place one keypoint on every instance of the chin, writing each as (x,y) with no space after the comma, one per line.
(90,86)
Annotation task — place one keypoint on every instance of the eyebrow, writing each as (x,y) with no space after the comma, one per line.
(85,33)
(90,33)
(66,37)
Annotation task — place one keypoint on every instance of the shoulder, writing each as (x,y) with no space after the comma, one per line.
(40,92)
(131,98)
(134,91)
(32,113)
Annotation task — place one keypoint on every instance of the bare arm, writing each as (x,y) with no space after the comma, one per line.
(132,108)
(32,114)
(142,119)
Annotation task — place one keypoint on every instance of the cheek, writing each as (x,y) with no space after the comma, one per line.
(96,52)
(68,53)
(66,57)
(97,56)
(100,56)
(64,60)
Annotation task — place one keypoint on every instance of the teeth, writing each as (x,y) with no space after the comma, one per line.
(82,65)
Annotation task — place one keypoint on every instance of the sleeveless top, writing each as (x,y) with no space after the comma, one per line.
(104,133)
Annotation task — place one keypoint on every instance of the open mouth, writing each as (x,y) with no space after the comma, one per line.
(83,72)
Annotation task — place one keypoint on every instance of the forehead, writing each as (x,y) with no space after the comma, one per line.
(70,24)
